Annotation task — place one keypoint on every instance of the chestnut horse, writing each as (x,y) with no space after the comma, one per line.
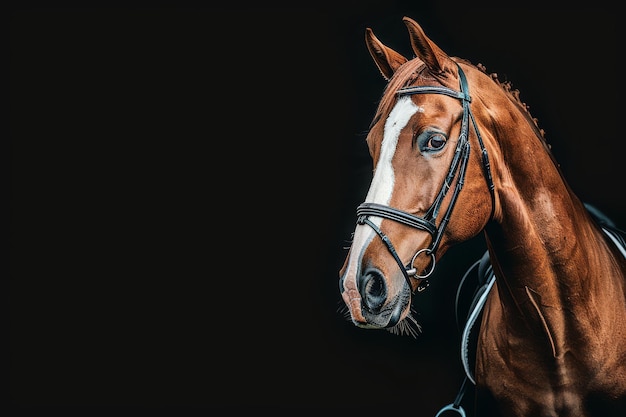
(457,154)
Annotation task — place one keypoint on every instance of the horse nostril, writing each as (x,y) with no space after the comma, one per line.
(373,290)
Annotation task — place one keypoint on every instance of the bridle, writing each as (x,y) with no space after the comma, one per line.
(457,167)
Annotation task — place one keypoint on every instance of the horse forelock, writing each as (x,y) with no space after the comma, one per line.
(404,76)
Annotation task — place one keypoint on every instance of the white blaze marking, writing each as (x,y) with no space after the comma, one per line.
(381,187)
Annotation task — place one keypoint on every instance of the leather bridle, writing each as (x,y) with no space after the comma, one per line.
(457,168)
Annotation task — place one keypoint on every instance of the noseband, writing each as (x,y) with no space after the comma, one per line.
(457,167)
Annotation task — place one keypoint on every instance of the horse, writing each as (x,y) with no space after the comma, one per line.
(456,154)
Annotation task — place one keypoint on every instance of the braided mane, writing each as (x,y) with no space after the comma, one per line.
(514,95)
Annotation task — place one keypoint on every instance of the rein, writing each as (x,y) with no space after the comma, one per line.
(457,168)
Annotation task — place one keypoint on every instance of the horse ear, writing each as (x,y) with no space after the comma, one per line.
(387,60)
(435,59)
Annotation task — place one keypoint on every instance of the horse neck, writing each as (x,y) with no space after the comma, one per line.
(545,248)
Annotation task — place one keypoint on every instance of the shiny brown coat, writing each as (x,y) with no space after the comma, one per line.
(553,331)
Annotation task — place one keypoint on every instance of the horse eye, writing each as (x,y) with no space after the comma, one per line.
(436,141)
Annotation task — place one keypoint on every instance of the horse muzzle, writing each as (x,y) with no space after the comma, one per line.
(371,303)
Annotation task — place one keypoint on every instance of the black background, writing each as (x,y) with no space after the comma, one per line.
(183,182)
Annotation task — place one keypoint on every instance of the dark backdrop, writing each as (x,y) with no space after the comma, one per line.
(184,181)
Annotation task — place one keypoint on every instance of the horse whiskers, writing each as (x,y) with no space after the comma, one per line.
(342,310)
(349,242)
(407,327)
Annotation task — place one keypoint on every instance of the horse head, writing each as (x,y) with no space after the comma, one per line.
(420,141)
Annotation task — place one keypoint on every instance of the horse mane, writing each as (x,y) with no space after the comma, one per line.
(514,95)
